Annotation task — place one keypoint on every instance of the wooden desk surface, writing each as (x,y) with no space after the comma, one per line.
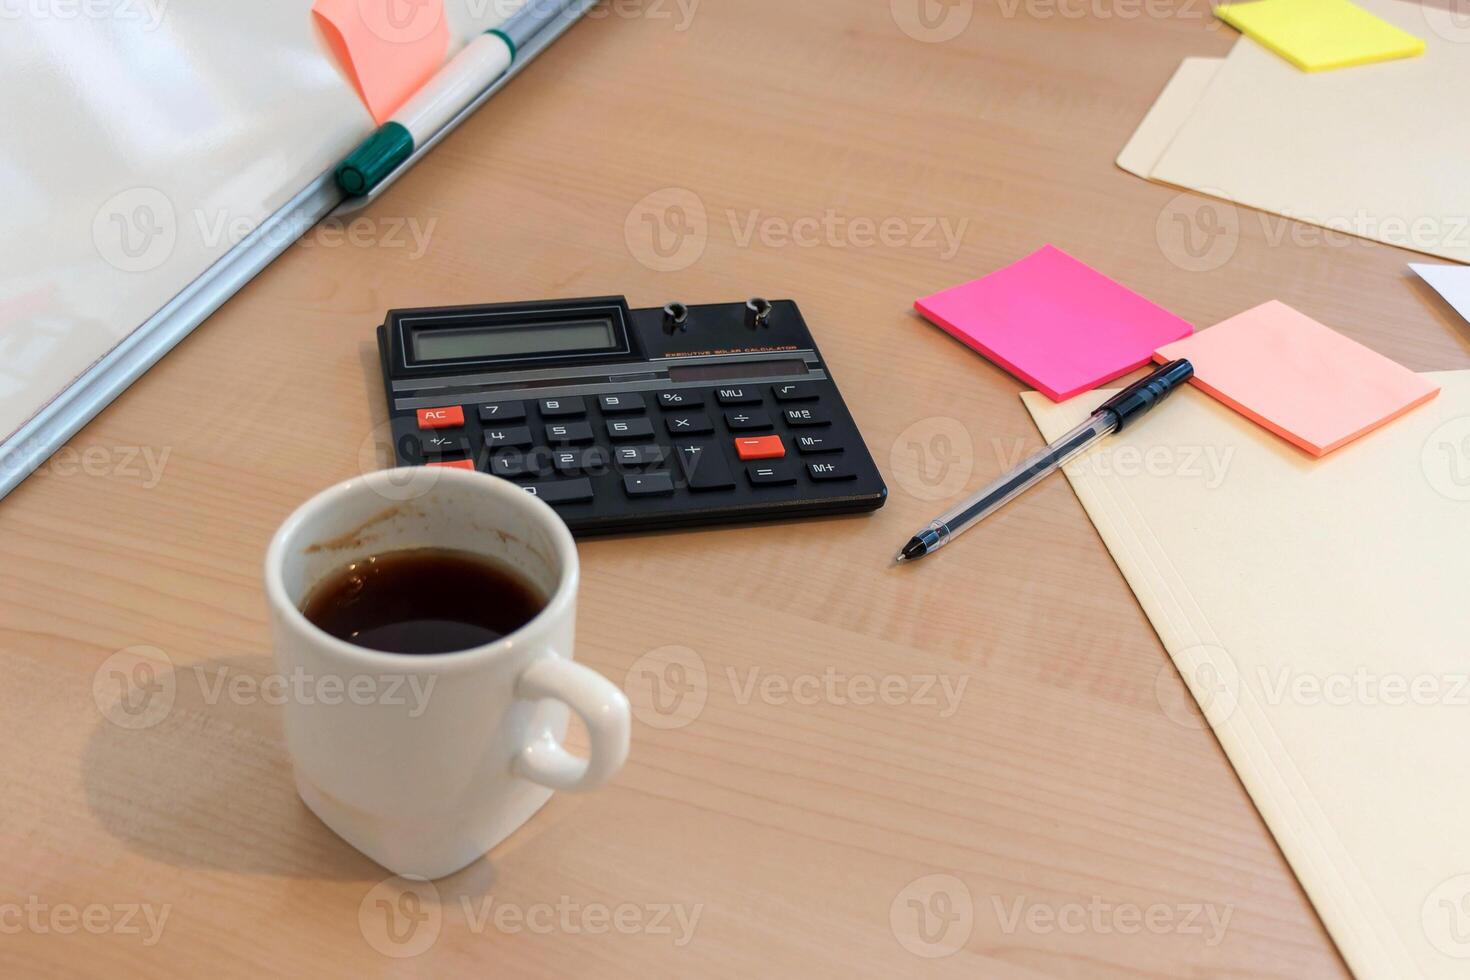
(1081,821)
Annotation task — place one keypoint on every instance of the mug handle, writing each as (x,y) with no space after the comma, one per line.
(601,706)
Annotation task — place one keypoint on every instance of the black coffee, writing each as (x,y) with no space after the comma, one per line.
(422,601)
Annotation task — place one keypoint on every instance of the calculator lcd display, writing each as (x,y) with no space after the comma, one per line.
(513,340)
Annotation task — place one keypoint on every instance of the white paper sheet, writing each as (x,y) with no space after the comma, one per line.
(1451,282)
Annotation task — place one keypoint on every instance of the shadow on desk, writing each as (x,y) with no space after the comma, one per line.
(188,767)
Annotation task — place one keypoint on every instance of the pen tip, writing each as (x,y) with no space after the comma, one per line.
(914,549)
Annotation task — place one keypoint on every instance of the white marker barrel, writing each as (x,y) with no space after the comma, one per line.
(454,86)
(469,73)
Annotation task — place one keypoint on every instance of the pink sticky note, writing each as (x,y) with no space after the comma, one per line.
(1304,381)
(389,48)
(1054,322)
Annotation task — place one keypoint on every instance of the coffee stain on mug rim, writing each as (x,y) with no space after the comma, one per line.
(354,538)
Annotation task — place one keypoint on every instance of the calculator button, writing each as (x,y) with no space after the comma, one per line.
(561,491)
(614,404)
(441,418)
(749,418)
(760,447)
(512,436)
(629,428)
(737,396)
(498,412)
(638,455)
(794,392)
(807,416)
(808,445)
(564,432)
(514,464)
(703,466)
(689,424)
(680,399)
(770,474)
(456,464)
(445,444)
(830,471)
(558,407)
(591,459)
(648,484)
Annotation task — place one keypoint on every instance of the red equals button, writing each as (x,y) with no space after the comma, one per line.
(760,447)
(441,418)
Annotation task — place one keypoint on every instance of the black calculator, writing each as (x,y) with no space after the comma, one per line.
(630,420)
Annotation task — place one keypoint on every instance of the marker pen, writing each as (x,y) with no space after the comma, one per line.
(467,74)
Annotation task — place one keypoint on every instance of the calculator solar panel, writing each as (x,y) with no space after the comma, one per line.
(630,420)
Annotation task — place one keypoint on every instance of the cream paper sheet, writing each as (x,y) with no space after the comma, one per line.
(1319,610)
(1376,151)
(1168,115)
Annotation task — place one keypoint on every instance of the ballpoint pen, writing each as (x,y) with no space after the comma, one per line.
(1111,416)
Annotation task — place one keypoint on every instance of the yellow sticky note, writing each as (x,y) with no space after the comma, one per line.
(1316,35)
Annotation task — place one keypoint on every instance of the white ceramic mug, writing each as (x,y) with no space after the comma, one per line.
(424,763)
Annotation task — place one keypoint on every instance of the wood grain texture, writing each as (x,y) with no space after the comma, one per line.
(1071,782)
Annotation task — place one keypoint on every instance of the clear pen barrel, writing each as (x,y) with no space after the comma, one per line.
(1034,469)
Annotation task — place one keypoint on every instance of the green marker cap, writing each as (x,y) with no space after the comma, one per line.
(506,38)
(374,159)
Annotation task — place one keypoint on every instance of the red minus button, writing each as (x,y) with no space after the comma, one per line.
(441,418)
(760,447)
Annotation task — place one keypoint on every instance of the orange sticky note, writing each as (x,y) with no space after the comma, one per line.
(1304,381)
(390,48)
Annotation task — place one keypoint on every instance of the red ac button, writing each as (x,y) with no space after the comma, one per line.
(441,418)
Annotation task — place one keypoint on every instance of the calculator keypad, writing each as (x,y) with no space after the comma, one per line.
(499,413)
(809,445)
(631,451)
(629,428)
(497,437)
(713,413)
(745,419)
(563,407)
(679,399)
(441,443)
(441,418)
(688,424)
(760,447)
(748,395)
(565,432)
(562,491)
(617,404)
(704,466)
(648,484)
(769,474)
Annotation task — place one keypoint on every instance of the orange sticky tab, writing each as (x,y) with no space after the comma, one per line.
(760,447)
(389,48)
(441,418)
